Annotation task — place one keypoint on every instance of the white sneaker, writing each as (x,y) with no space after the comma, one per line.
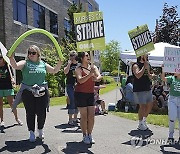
(91,139)
(2,124)
(86,139)
(142,126)
(144,122)
(20,123)
(41,133)
(32,137)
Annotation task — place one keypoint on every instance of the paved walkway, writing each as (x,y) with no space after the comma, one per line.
(112,135)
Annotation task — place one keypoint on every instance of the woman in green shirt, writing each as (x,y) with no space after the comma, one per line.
(34,92)
(173,102)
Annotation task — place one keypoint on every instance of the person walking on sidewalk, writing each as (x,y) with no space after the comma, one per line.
(84,94)
(173,102)
(142,87)
(6,90)
(69,70)
(34,89)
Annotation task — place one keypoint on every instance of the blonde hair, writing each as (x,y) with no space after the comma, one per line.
(36,49)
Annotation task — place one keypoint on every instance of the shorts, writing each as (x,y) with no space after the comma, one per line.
(6,92)
(84,99)
(143,97)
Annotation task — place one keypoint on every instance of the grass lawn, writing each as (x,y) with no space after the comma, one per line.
(62,100)
(155,119)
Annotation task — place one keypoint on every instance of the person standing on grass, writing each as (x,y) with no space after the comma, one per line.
(86,76)
(69,70)
(34,88)
(142,89)
(173,102)
(6,90)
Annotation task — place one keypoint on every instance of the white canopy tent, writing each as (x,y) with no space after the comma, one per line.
(155,57)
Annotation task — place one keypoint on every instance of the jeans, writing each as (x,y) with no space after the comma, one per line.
(72,109)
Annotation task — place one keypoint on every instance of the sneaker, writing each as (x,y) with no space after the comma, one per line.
(2,124)
(145,124)
(142,126)
(91,139)
(32,137)
(76,121)
(41,133)
(86,139)
(20,123)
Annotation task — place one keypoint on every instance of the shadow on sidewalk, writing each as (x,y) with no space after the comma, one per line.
(164,148)
(66,128)
(138,137)
(77,147)
(23,145)
(7,127)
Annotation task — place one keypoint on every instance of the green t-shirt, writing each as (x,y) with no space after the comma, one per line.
(174,85)
(34,73)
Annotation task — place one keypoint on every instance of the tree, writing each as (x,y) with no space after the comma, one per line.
(110,57)
(167,28)
(69,41)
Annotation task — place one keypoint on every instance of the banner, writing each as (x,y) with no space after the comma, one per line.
(141,40)
(4,52)
(89,31)
(172,60)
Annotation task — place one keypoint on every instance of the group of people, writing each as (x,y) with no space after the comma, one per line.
(81,90)
(143,95)
(33,92)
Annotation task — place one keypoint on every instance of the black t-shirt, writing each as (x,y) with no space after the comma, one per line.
(71,79)
(143,83)
(5,79)
(157,90)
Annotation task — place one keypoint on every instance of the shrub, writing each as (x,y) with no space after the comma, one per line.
(107,80)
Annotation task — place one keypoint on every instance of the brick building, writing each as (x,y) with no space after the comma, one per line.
(19,16)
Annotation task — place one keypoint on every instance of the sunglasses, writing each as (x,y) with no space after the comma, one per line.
(72,55)
(1,57)
(33,53)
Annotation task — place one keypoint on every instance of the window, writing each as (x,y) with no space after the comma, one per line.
(67,25)
(90,8)
(39,15)
(20,11)
(53,23)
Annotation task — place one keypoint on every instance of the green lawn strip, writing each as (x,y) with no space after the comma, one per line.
(155,119)
(62,100)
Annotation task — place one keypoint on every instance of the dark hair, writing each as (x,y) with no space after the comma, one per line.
(80,56)
(139,59)
(129,79)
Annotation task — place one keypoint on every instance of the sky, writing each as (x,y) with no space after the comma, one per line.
(120,16)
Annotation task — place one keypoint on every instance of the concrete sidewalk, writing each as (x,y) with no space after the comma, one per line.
(112,135)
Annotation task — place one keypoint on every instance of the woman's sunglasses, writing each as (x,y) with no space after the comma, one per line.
(1,57)
(33,53)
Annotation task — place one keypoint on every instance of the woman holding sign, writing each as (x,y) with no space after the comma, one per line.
(6,89)
(84,94)
(34,88)
(142,87)
(173,102)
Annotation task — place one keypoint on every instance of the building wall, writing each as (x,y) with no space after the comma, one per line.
(14,29)
(2,24)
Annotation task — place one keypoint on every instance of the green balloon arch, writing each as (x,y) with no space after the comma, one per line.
(37,30)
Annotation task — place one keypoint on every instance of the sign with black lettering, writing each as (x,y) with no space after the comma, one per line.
(89,31)
(141,40)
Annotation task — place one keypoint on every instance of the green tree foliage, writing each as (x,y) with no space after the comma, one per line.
(69,41)
(110,57)
(55,81)
(167,28)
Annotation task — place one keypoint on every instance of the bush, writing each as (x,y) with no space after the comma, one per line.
(107,80)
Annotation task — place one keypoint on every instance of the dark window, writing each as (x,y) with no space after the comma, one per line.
(39,15)
(53,23)
(90,8)
(20,11)
(67,25)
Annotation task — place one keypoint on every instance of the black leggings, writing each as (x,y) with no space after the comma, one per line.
(35,106)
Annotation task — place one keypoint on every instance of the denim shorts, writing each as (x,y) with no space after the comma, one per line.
(6,92)
(143,97)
